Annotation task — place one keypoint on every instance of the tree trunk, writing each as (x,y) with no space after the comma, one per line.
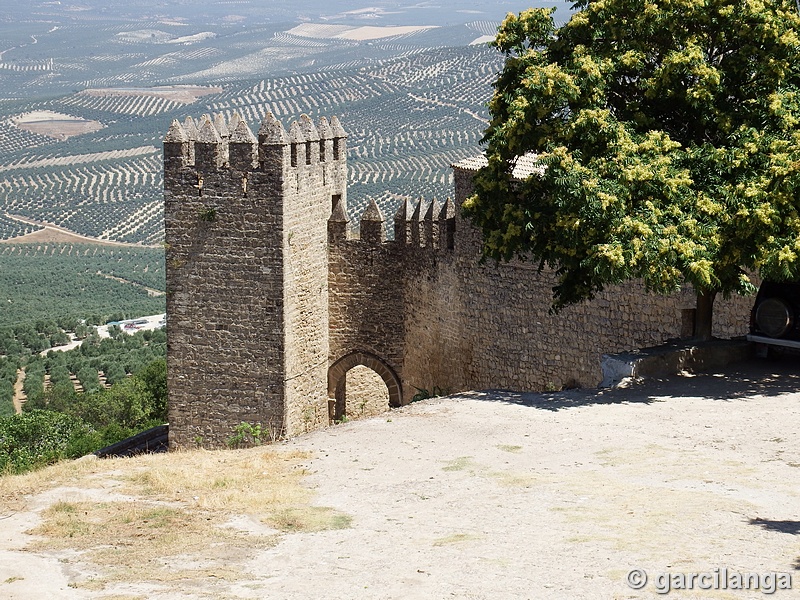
(704,316)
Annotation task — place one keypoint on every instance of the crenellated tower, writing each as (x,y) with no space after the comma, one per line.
(247,273)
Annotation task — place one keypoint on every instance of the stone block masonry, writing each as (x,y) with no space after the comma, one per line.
(247,274)
(277,314)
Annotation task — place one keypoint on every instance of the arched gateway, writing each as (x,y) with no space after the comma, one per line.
(339,369)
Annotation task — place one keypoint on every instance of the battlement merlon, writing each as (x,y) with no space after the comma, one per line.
(210,151)
(176,147)
(371,225)
(433,231)
(216,146)
(243,148)
(338,223)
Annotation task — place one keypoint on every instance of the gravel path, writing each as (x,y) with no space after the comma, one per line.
(493,495)
(19,393)
(498,495)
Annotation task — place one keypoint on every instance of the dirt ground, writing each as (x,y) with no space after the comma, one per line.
(55,125)
(187,94)
(501,495)
(59,235)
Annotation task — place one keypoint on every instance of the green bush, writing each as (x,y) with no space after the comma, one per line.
(36,439)
(154,377)
(59,339)
(59,374)
(114,372)
(89,379)
(72,424)
(6,398)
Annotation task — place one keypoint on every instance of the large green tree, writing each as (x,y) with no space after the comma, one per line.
(667,133)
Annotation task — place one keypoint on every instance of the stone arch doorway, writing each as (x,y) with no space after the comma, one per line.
(337,377)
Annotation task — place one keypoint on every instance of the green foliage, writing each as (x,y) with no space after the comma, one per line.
(246,435)
(8,377)
(42,286)
(132,402)
(89,379)
(59,374)
(126,404)
(27,337)
(424,394)
(154,379)
(9,345)
(6,398)
(668,140)
(81,331)
(114,373)
(99,416)
(208,214)
(33,386)
(59,339)
(36,439)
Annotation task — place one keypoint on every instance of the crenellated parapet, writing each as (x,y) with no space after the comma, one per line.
(420,225)
(213,146)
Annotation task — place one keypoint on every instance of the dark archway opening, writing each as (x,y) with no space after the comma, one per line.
(365,372)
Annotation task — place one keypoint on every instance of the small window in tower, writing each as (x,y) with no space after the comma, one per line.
(322,151)
(337,149)
(294,155)
(308,153)
(335,199)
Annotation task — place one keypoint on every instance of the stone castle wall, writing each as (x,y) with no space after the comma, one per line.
(318,180)
(278,315)
(446,322)
(247,275)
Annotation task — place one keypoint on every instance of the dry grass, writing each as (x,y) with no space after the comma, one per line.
(166,518)
(15,488)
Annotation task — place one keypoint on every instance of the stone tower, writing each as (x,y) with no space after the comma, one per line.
(246,224)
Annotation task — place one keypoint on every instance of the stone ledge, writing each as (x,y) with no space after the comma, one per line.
(673,358)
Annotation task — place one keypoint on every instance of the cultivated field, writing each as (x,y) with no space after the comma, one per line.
(86,97)
(184,94)
(55,125)
(49,279)
(359,34)
(409,118)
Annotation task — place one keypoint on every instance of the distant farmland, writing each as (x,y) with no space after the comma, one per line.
(86,97)
(41,281)
(55,125)
(89,160)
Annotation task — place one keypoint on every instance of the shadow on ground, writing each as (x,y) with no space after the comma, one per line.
(792,527)
(750,378)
